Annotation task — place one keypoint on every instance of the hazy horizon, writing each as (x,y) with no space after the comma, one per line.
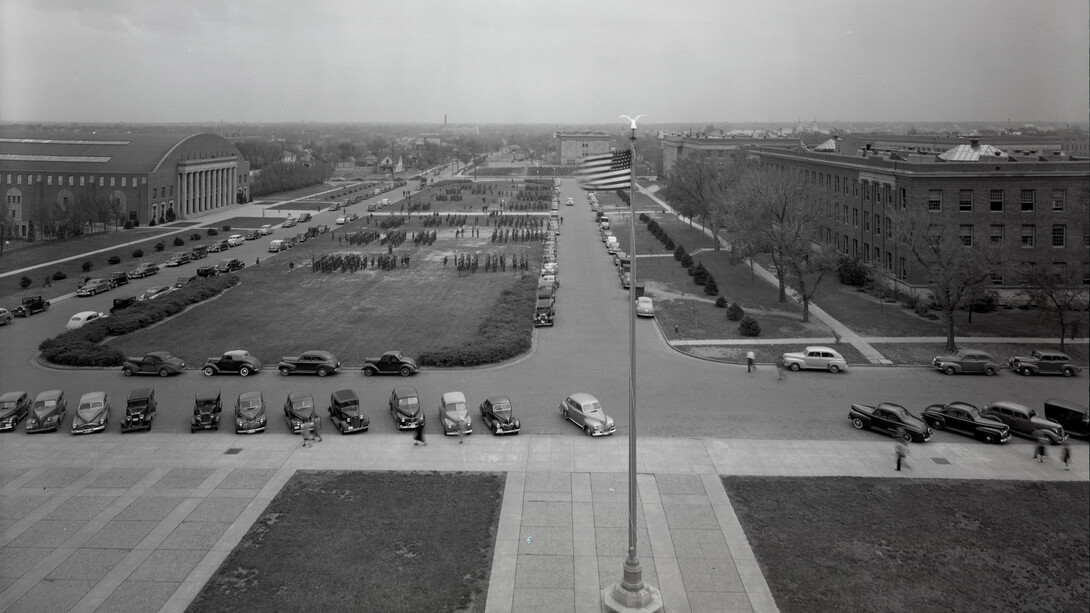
(565,62)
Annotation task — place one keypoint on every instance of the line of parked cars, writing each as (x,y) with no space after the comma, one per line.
(243,363)
(1038,362)
(994,424)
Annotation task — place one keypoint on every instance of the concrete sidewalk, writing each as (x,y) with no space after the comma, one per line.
(142,526)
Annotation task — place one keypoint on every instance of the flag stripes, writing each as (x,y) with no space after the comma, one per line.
(607,171)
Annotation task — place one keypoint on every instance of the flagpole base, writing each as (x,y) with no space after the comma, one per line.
(631,594)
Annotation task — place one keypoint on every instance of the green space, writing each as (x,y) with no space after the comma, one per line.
(365,541)
(853,544)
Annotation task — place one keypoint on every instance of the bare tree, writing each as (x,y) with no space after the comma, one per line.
(807,269)
(956,265)
(698,186)
(1060,295)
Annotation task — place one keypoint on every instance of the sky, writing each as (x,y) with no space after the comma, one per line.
(544,61)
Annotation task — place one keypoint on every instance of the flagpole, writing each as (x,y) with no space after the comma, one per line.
(632,594)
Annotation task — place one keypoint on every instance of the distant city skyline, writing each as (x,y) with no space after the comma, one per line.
(563,62)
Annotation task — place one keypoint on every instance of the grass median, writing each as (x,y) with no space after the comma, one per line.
(852,544)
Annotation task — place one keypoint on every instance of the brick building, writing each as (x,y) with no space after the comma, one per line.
(677,146)
(146,174)
(572,147)
(1034,204)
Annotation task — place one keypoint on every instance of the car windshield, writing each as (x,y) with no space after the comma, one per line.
(302,404)
(44,407)
(408,405)
(1037,355)
(501,410)
(592,408)
(457,409)
(90,408)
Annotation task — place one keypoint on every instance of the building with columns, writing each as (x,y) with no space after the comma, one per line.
(145,175)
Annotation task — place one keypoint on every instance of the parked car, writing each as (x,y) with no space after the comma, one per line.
(139,410)
(219,246)
(155,363)
(453,413)
(288,223)
(1024,421)
(253,235)
(1074,417)
(155,291)
(319,363)
(235,240)
(390,363)
(277,245)
(207,408)
(964,418)
(94,286)
(230,265)
(47,413)
(31,305)
(498,415)
(197,252)
(5,316)
(305,217)
(645,307)
(544,312)
(92,413)
(207,271)
(143,269)
(817,358)
(405,408)
(266,229)
(345,412)
(550,268)
(586,412)
(546,292)
(14,407)
(1043,362)
(183,281)
(118,278)
(250,413)
(549,280)
(299,409)
(235,361)
(966,361)
(82,319)
(177,259)
(893,419)
(121,304)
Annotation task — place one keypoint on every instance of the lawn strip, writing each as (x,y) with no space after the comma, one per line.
(853,544)
(923,353)
(365,541)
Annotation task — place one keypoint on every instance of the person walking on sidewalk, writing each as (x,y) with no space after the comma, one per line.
(418,437)
(1065,455)
(901,450)
(780,367)
(751,361)
(307,431)
(461,431)
(1039,444)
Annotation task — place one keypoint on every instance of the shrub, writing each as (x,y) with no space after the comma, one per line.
(679,252)
(710,288)
(669,244)
(687,262)
(749,327)
(128,225)
(735,312)
(138,253)
(502,335)
(160,246)
(852,271)
(700,274)
(226,228)
(212,232)
(151,222)
(986,303)
(178,241)
(59,276)
(644,218)
(87,266)
(114,259)
(721,302)
(24,282)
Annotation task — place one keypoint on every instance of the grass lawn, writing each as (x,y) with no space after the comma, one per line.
(922,353)
(277,311)
(851,544)
(365,541)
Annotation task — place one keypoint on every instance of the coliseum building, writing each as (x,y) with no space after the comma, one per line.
(146,176)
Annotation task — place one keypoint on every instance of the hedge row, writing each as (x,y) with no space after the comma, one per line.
(81,347)
(504,334)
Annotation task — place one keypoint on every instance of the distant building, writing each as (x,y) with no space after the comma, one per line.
(147,175)
(574,146)
(677,146)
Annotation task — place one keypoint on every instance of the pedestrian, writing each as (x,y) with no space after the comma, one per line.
(751,361)
(307,430)
(461,430)
(258,262)
(901,450)
(780,367)
(1039,452)
(316,428)
(1065,455)
(418,438)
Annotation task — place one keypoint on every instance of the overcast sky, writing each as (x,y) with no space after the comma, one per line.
(544,61)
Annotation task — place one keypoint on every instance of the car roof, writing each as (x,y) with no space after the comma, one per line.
(1009,405)
(344,396)
(324,354)
(236,352)
(141,392)
(49,395)
(643,299)
(84,314)
(1067,404)
(249,396)
(207,394)
(581,398)
(298,396)
(454,398)
(821,348)
(93,396)
(498,400)
(10,396)
(404,392)
(161,354)
(394,353)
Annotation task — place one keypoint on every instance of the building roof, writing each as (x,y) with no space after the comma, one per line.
(87,152)
(972,152)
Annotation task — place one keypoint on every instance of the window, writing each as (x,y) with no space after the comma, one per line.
(836,182)
(1028,231)
(878,225)
(845,213)
(113,181)
(1027,200)
(102,181)
(1059,197)
(995,200)
(123,181)
(866,191)
(866,223)
(934,200)
(855,218)
(877,254)
(855,247)
(889,261)
(71,180)
(837,211)
(904,273)
(904,198)
(171,190)
(49,179)
(155,192)
(997,234)
(1059,235)
(965,200)
(1086,273)
(965,233)
(81,181)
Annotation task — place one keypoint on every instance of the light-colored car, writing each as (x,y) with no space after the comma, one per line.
(5,317)
(81,319)
(586,412)
(645,307)
(94,286)
(341,221)
(265,230)
(235,240)
(571,202)
(816,358)
(453,412)
(549,280)
(92,413)
(550,268)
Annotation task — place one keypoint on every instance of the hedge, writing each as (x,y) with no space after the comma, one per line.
(504,334)
(81,347)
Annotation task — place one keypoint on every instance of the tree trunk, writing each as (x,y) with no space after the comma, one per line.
(805,309)
(783,285)
(950,345)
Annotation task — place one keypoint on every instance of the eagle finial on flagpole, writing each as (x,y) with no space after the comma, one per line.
(633,120)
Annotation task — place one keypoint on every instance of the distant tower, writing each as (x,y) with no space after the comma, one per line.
(444,120)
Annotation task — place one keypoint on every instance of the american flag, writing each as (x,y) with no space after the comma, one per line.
(606,171)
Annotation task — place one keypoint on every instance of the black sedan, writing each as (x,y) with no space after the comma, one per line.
(964,418)
(498,416)
(893,419)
